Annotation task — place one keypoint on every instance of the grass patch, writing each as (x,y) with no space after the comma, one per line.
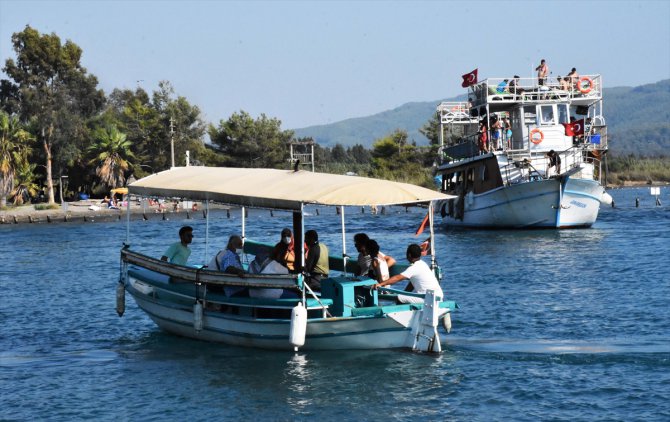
(42,207)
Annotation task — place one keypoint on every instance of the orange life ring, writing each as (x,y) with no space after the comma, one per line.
(532,138)
(580,85)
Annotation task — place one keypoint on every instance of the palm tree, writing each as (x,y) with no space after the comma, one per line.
(112,156)
(14,148)
(25,182)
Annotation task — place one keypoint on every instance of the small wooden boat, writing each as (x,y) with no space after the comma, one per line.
(346,314)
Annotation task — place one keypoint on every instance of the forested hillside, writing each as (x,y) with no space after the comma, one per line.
(638,120)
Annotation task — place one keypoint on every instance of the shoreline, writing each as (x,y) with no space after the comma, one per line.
(79,211)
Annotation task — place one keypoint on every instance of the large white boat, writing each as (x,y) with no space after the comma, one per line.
(508,182)
(346,314)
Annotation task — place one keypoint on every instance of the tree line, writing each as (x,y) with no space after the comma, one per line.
(58,126)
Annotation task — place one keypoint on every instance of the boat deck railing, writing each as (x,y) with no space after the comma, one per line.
(585,89)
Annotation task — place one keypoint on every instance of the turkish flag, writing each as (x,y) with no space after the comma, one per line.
(425,247)
(568,129)
(469,79)
(578,127)
(423,225)
(574,128)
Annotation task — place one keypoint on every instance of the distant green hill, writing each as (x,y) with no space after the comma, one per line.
(638,120)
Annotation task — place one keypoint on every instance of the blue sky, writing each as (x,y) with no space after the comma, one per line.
(309,63)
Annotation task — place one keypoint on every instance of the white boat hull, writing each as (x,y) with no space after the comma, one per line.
(547,203)
(394,330)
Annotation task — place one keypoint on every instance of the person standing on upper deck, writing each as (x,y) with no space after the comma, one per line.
(574,78)
(542,72)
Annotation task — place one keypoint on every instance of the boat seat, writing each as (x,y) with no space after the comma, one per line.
(162,281)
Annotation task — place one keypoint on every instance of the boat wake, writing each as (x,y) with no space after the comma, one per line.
(556,346)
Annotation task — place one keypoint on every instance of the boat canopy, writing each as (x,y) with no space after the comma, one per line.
(279,189)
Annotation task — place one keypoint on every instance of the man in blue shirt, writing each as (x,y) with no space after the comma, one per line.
(228,261)
(179,252)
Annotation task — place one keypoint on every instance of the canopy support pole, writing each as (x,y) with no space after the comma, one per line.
(127,218)
(344,240)
(243,210)
(302,250)
(297,239)
(432,235)
(206,231)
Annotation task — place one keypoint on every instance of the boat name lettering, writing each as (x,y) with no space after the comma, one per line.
(578,204)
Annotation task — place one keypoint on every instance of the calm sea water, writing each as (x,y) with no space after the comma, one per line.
(554,325)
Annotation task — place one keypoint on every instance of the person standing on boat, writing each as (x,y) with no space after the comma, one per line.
(574,78)
(419,274)
(542,72)
(179,252)
(285,249)
(554,161)
(497,134)
(316,263)
(483,138)
(507,133)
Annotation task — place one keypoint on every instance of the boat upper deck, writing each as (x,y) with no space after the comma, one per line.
(500,94)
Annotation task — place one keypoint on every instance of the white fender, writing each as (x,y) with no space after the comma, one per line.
(446,322)
(120,299)
(197,316)
(606,199)
(298,326)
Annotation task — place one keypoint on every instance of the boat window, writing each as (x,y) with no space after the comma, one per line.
(563,113)
(547,113)
(529,115)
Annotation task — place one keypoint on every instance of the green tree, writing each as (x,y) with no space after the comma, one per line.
(112,156)
(14,150)
(252,143)
(25,181)
(360,154)
(339,154)
(393,158)
(55,93)
(431,129)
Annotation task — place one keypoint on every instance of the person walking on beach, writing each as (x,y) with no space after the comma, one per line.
(178,252)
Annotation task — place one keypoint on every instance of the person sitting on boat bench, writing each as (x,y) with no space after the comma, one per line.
(228,261)
(419,274)
(316,263)
(378,266)
(179,252)
(364,259)
(285,249)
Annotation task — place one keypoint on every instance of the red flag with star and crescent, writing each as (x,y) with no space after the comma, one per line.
(470,79)
(574,128)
